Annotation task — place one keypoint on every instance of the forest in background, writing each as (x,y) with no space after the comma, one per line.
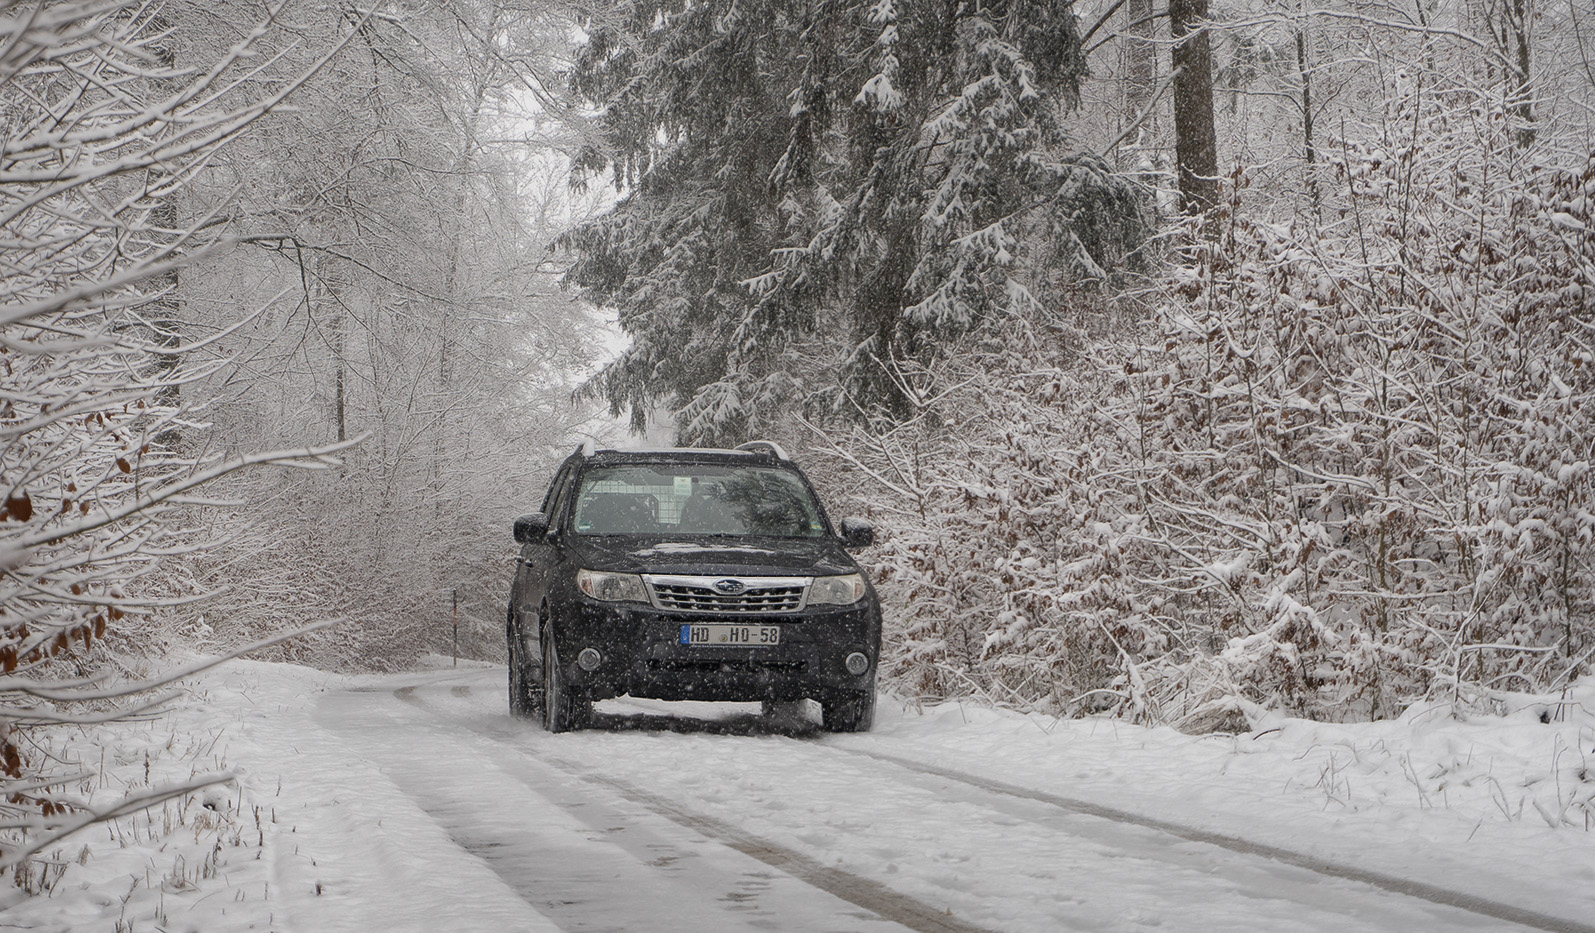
(297,295)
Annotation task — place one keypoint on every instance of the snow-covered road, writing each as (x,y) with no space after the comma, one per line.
(415,803)
(711,817)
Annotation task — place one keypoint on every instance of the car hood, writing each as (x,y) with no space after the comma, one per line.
(743,556)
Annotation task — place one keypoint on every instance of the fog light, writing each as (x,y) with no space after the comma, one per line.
(589,659)
(857,663)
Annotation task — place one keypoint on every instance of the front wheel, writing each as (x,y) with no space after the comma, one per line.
(524,695)
(562,711)
(852,711)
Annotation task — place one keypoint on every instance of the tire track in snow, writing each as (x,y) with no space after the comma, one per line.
(861,892)
(1434,894)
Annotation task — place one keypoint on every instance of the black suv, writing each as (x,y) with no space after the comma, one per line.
(689,574)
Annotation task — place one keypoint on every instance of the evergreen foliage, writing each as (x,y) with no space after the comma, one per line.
(843,184)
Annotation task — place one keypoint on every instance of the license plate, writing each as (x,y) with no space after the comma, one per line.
(731,636)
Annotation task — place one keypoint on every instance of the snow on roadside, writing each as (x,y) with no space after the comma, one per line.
(193,862)
(1498,806)
(306,839)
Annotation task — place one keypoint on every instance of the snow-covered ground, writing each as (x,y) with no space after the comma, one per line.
(415,803)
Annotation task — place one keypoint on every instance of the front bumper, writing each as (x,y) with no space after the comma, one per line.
(642,653)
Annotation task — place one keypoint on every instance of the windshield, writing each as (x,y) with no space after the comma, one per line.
(696,499)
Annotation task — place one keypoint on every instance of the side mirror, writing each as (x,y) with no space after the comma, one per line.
(529,528)
(857,532)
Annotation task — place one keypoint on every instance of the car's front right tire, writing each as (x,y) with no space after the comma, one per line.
(849,711)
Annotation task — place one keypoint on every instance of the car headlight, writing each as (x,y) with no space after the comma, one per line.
(837,591)
(611,586)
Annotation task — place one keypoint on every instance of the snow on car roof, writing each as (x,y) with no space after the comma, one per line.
(754,448)
(675,453)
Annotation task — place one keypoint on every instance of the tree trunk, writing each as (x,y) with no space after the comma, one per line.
(1309,146)
(1522,88)
(1195,144)
(1140,66)
(164,313)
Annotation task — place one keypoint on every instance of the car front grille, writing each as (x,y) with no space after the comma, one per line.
(758,596)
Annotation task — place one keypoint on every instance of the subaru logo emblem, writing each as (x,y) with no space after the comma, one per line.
(729,587)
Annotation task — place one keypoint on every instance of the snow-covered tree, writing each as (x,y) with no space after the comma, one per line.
(103,130)
(393,223)
(813,191)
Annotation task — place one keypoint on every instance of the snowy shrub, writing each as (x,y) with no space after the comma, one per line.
(1340,467)
(1373,441)
(387,565)
(1002,562)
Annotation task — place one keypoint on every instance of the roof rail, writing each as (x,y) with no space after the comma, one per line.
(771,446)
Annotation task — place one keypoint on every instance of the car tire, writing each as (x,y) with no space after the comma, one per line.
(512,664)
(850,711)
(562,710)
(517,687)
(524,696)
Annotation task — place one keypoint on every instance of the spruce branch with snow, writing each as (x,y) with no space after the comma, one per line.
(866,182)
